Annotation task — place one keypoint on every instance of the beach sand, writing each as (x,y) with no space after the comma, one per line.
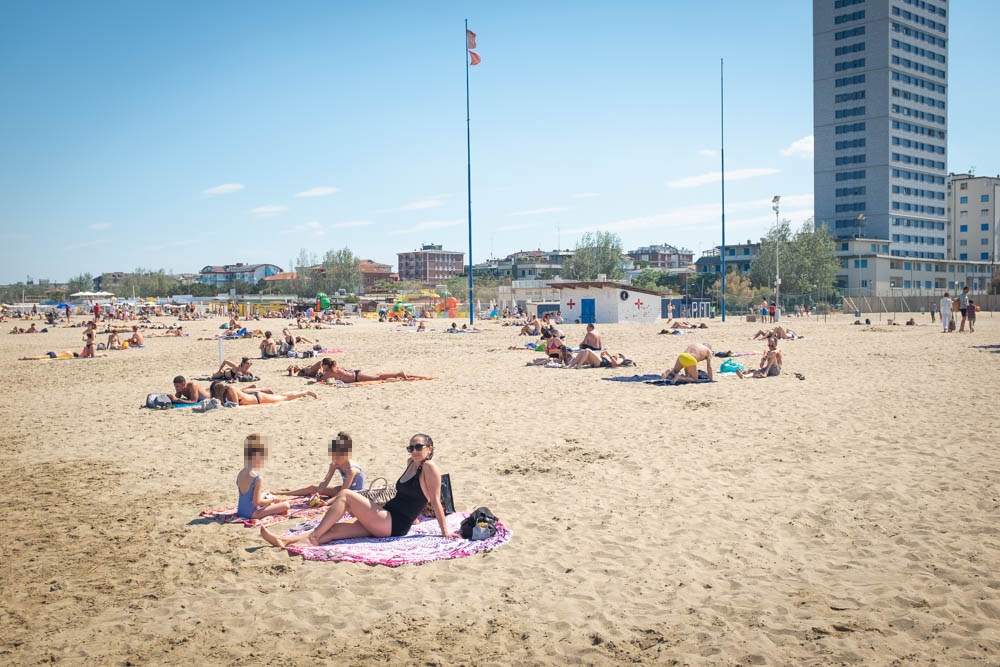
(850,518)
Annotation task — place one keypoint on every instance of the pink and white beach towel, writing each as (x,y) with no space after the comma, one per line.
(300,510)
(422,544)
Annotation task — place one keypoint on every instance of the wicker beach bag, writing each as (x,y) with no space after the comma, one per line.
(381,494)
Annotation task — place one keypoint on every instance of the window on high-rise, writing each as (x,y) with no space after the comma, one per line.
(963,200)
(985,227)
(984,198)
(984,241)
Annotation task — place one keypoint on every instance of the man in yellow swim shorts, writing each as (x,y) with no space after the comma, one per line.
(686,367)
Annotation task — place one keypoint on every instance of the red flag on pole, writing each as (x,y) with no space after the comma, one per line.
(471,37)
(474,58)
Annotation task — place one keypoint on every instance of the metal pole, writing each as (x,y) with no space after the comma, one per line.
(468,156)
(777,260)
(722,157)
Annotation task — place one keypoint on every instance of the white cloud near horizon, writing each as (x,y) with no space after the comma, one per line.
(312,228)
(318,192)
(432,201)
(98,226)
(716,177)
(756,213)
(224,189)
(708,152)
(351,223)
(802,148)
(427,226)
(95,243)
(587,195)
(172,244)
(539,211)
(267,211)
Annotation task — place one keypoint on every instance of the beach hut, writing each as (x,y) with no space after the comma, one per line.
(607,302)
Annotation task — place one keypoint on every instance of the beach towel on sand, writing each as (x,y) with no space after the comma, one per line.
(652,378)
(422,544)
(341,384)
(300,510)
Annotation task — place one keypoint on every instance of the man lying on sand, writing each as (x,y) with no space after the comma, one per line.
(187,392)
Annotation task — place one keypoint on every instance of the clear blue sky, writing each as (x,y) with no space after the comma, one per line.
(178,134)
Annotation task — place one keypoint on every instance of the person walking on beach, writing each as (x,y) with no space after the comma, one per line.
(945,306)
(970,314)
(963,305)
(932,308)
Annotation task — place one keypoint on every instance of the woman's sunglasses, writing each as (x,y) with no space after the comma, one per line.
(416,448)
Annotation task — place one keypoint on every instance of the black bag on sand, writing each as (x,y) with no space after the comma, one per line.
(480,525)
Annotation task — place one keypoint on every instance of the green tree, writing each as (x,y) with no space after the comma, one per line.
(302,285)
(596,253)
(343,270)
(81,283)
(808,261)
(739,291)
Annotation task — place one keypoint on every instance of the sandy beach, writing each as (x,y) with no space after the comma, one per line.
(847,518)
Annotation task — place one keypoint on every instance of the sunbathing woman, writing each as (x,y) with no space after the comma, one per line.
(331,370)
(228,393)
(231,372)
(310,371)
(114,342)
(590,359)
(420,480)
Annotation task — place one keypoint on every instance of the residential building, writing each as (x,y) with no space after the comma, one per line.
(663,256)
(223,276)
(739,257)
(525,265)
(880,75)
(373,272)
(973,217)
(431,264)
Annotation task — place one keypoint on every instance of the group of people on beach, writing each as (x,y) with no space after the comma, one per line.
(351,513)
(951,309)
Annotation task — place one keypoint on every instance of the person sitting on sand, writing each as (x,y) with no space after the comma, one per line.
(591,340)
(591,359)
(420,481)
(531,328)
(232,372)
(187,392)
(228,393)
(770,362)
(114,342)
(331,370)
(309,371)
(268,346)
(421,327)
(254,502)
(686,367)
(556,349)
(31,329)
(352,476)
(136,340)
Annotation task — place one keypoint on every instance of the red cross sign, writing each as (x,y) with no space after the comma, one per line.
(570,304)
(638,303)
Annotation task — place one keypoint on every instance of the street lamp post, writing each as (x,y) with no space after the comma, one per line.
(777,260)
(857,241)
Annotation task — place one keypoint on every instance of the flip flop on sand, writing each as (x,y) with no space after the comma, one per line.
(800,376)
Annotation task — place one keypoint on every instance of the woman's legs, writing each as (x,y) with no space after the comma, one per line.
(369,520)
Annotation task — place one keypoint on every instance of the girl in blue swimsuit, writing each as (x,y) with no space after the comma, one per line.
(254,502)
(420,480)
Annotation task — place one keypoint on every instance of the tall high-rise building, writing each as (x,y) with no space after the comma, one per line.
(880,116)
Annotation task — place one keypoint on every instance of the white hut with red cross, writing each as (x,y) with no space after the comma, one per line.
(606,302)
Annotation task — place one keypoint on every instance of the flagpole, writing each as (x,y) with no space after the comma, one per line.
(722,156)
(468,158)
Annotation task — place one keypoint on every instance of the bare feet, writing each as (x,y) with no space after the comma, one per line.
(312,393)
(739,373)
(271,538)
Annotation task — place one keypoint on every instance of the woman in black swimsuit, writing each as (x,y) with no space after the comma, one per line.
(420,480)
(331,370)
